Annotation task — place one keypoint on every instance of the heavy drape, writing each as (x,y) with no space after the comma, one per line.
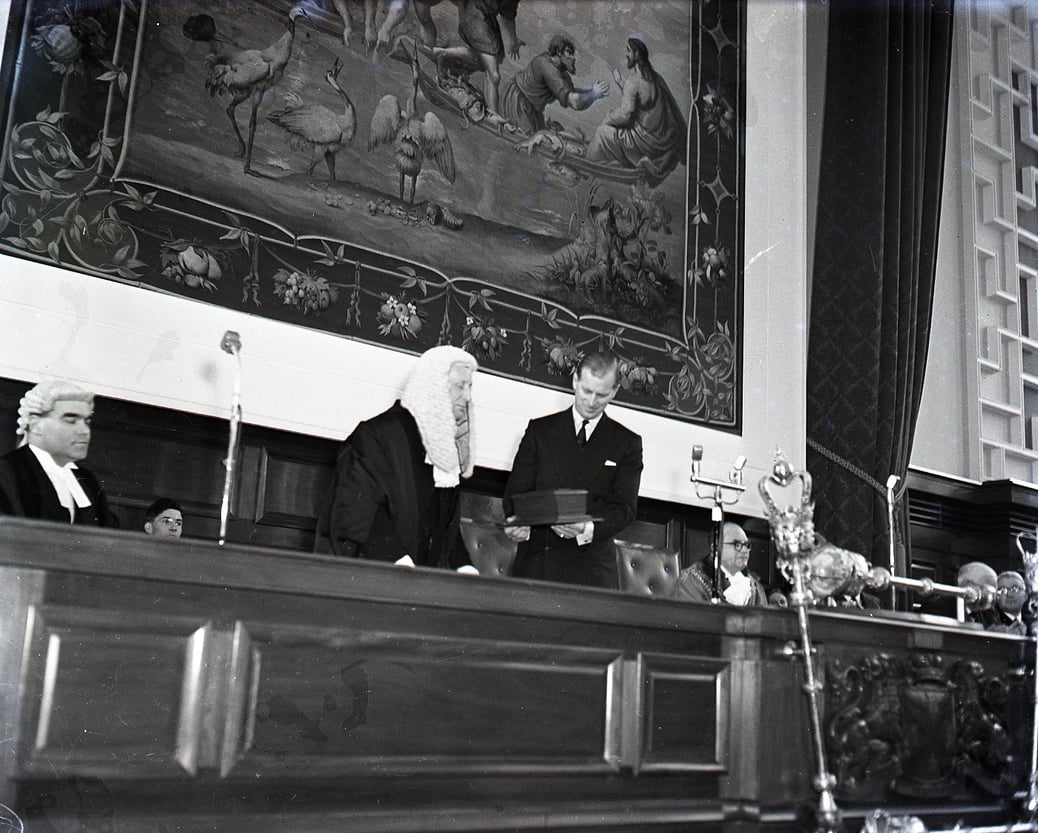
(879,205)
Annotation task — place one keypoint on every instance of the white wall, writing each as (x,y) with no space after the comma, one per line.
(942,437)
(164,350)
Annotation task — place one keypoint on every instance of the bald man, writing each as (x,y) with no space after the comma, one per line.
(984,578)
(736,586)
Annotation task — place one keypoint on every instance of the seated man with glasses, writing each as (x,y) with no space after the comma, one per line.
(1010,598)
(164,518)
(736,586)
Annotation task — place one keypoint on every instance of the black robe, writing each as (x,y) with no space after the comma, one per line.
(26,491)
(384,503)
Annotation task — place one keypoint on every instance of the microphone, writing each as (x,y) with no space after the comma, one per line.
(231,342)
(697,458)
(735,476)
(892,533)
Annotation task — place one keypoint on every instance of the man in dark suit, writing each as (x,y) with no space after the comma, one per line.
(579,448)
(41,479)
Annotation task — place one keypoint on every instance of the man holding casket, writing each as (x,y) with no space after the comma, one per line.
(580,448)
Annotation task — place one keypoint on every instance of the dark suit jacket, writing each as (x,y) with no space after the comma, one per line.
(26,491)
(609,467)
(384,503)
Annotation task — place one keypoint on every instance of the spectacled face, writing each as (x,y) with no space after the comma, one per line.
(1010,596)
(167,524)
(592,393)
(64,431)
(735,551)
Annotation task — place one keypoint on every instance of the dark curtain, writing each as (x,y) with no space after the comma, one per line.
(880,176)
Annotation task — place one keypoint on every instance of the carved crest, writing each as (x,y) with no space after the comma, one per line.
(915,727)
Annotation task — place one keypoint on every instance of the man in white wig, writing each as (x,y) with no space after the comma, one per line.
(41,478)
(395,495)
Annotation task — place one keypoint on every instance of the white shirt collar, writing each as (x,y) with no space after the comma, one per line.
(578,420)
(70,493)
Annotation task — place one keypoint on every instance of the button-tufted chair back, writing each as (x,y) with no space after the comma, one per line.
(647,570)
(491,551)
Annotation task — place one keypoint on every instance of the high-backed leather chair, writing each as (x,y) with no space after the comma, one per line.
(491,551)
(646,570)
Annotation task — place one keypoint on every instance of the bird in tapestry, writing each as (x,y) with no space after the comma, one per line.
(415,139)
(316,128)
(248,74)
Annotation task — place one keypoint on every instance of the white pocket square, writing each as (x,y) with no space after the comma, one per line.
(610,462)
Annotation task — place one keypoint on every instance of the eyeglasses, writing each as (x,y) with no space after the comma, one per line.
(739,546)
(1005,591)
(171,523)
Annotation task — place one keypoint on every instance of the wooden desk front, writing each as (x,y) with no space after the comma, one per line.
(174,686)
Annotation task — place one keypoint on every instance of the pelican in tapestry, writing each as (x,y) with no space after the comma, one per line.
(415,138)
(315,128)
(248,74)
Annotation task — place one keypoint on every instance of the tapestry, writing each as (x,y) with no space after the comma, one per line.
(529,180)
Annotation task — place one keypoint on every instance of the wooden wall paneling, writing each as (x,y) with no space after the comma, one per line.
(141,452)
(114,695)
(291,487)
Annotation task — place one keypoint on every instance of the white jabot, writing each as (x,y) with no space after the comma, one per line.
(738,590)
(70,493)
(578,420)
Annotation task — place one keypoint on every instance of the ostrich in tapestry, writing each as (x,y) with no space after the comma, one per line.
(528,179)
(248,74)
(315,127)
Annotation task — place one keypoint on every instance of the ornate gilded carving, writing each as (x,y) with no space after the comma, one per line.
(916,727)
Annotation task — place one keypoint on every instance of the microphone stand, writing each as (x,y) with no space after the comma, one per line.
(722,493)
(892,536)
(231,343)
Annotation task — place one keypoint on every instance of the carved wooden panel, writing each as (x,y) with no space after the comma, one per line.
(381,703)
(245,691)
(112,694)
(685,713)
(926,725)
